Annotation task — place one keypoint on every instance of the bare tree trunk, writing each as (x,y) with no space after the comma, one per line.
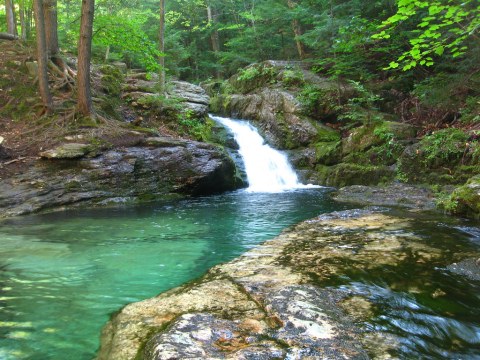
(84,101)
(297,31)
(42,57)
(23,24)
(51,27)
(11,23)
(161,46)
(214,38)
(214,35)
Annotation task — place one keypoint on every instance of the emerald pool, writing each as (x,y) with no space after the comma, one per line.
(63,274)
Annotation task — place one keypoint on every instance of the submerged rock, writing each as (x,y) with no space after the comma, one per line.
(468,267)
(122,175)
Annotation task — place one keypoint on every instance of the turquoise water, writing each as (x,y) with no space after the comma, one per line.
(62,274)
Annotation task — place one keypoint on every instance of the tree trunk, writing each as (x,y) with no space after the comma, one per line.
(11,23)
(214,38)
(84,101)
(161,46)
(23,25)
(42,57)
(297,31)
(51,26)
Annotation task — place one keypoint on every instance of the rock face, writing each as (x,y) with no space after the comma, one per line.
(299,111)
(142,91)
(165,167)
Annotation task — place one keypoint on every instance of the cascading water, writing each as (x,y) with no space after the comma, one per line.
(268,170)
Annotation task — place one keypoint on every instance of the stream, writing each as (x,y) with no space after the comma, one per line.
(63,274)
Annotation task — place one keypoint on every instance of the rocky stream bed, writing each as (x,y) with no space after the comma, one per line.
(275,301)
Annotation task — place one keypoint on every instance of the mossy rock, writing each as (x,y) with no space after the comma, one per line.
(353,174)
(253,77)
(442,157)
(67,151)
(112,79)
(443,147)
(326,133)
(465,200)
(366,136)
(328,153)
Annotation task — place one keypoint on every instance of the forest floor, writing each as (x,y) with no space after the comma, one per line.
(24,129)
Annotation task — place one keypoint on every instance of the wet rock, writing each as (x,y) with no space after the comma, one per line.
(469,268)
(67,151)
(401,195)
(138,173)
(277,114)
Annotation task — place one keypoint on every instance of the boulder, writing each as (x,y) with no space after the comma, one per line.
(67,151)
(189,92)
(32,68)
(465,200)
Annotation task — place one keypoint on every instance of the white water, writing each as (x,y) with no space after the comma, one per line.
(268,170)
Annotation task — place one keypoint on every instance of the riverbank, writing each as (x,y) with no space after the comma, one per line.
(293,296)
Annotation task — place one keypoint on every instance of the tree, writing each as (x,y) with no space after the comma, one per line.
(438,26)
(84,100)
(161,46)
(11,23)
(51,27)
(42,57)
(297,31)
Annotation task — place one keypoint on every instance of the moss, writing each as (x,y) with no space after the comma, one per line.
(353,174)
(443,146)
(111,85)
(464,201)
(85,122)
(444,157)
(326,134)
(328,153)
(292,77)
(253,77)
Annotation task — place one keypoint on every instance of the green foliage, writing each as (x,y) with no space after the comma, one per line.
(292,77)
(125,35)
(254,72)
(440,26)
(444,145)
(191,125)
(362,107)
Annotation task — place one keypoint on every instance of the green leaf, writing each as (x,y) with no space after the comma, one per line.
(393,65)
(439,50)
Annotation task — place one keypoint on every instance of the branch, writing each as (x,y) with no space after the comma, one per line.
(7,36)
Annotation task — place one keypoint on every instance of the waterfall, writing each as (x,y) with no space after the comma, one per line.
(268,170)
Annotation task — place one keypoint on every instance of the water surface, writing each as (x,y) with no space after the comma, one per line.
(62,274)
